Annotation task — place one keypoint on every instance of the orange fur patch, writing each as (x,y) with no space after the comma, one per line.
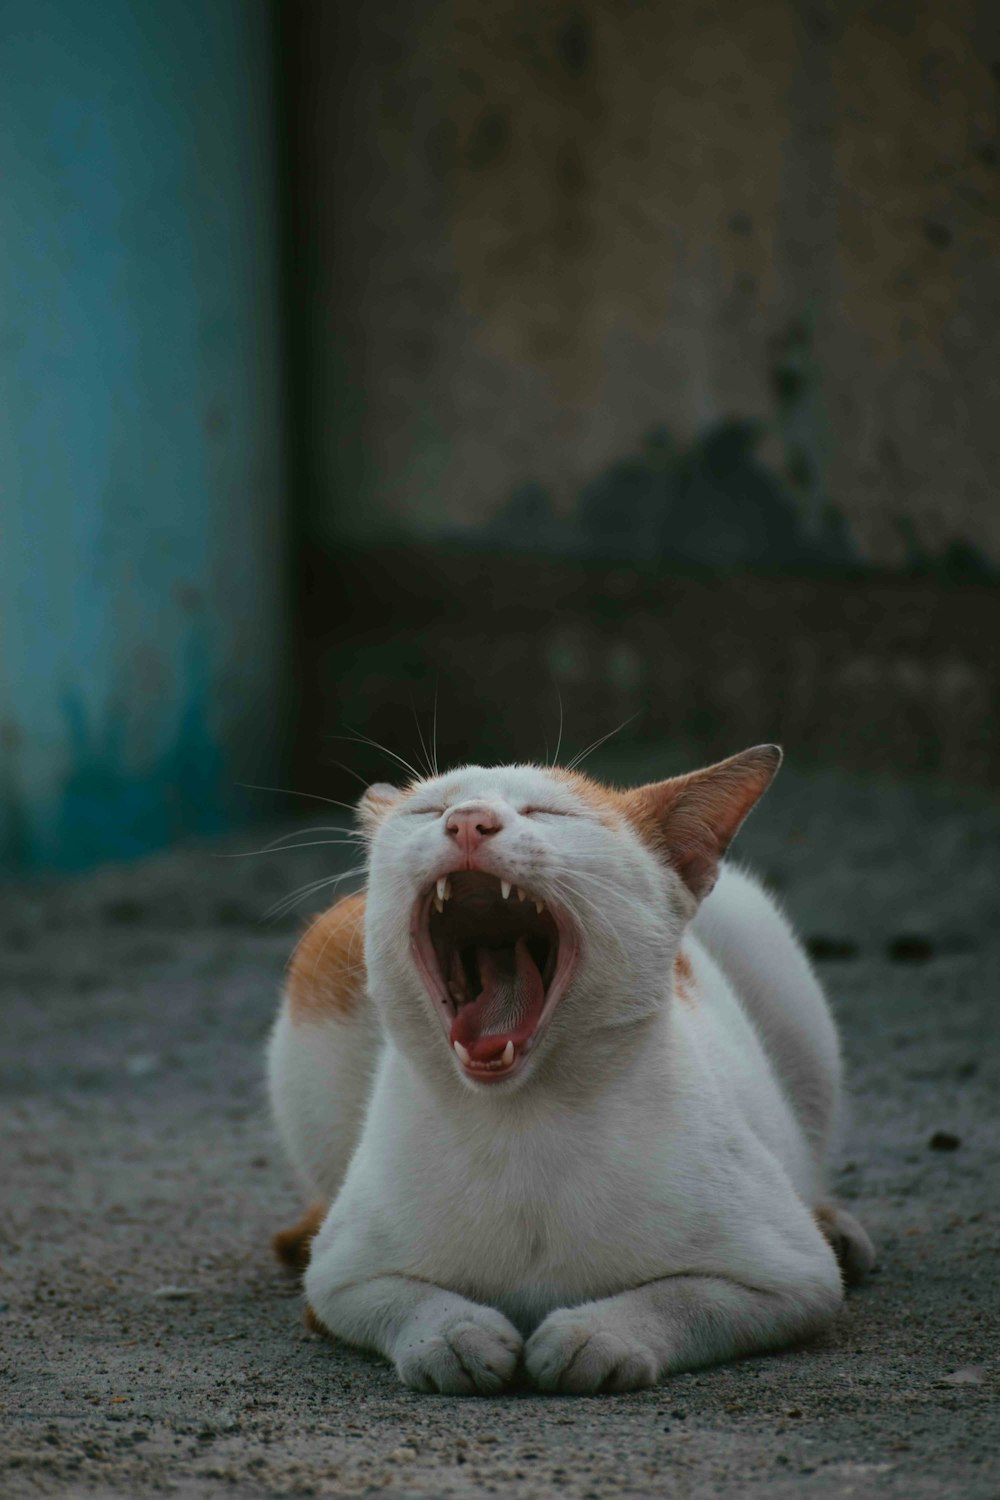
(684,985)
(688,820)
(327,974)
(606,801)
(292,1246)
(377,801)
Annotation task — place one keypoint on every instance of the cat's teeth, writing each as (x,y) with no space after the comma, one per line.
(438,903)
(463,1053)
(539,906)
(443,889)
(521,895)
(505,889)
(507,1057)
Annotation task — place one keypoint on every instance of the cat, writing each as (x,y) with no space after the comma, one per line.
(561,1085)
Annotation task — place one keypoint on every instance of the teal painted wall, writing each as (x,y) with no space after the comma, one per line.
(141,467)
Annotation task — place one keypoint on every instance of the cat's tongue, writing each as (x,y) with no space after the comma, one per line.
(508,1008)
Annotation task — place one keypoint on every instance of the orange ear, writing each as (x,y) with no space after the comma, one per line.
(691,820)
(374,802)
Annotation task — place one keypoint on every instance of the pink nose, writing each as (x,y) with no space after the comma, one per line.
(469,824)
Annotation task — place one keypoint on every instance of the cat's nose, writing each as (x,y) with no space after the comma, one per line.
(471,823)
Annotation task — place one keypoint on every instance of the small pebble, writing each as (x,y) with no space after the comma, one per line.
(174,1293)
(966,1375)
(943,1140)
(141,1064)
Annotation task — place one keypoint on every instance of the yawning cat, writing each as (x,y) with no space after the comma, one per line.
(561,1088)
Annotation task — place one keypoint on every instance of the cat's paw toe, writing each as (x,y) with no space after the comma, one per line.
(468,1357)
(574,1356)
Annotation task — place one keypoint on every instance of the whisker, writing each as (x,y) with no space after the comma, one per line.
(351,772)
(287,902)
(360,739)
(347,972)
(567,899)
(279,843)
(363,965)
(555,759)
(570,881)
(587,876)
(601,919)
(420,737)
(572,765)
(289,848)
(291,792)
(343,973)
(572,890)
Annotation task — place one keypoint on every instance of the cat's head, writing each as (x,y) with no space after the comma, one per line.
(522,917)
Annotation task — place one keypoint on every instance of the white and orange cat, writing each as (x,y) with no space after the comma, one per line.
(561,1087)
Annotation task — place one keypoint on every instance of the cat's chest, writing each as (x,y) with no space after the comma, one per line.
(562,1210)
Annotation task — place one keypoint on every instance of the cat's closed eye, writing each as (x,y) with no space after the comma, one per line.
(547,812)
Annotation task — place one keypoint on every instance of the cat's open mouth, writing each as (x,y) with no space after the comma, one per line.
(496,961)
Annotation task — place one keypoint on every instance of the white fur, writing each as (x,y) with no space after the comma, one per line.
(638,1200)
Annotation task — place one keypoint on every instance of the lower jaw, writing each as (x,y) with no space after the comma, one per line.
(495,1072)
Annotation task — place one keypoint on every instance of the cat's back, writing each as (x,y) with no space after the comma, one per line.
(753,943)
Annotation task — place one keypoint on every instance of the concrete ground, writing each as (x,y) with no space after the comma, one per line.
(148,1342)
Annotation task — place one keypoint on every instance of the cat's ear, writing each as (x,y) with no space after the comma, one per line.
(374,802)
(691,820)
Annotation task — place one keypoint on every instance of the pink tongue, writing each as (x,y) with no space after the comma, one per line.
(509,1006)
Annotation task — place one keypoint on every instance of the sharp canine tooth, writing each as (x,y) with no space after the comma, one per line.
(539,905)
(505,889)
(507,1056)
(442,888)
(463,1055)
(438,903)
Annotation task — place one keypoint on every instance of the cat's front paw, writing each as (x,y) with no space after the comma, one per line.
(579,1351)
(470,1353)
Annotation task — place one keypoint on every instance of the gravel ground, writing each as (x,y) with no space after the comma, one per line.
(149,1343)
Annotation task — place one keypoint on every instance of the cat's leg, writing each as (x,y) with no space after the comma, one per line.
(631,1340)
(438,1340)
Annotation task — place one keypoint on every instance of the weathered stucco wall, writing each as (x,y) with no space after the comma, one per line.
(544,228)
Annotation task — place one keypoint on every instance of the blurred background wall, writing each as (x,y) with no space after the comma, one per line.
(651,369)
(143,522)
(628,361)
(545,231)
